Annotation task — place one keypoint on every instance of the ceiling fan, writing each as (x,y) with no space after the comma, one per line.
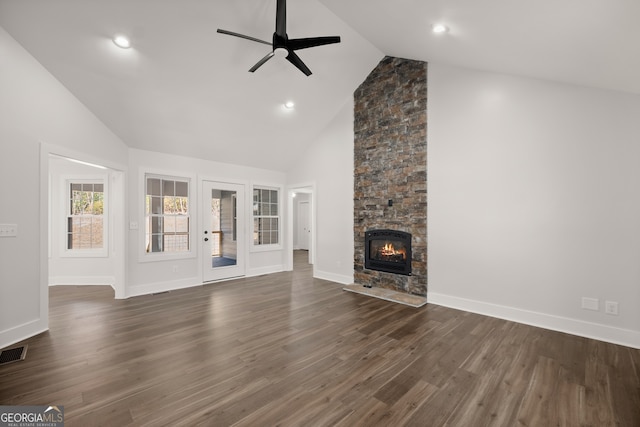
(281,45)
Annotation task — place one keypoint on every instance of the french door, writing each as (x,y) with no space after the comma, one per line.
(222,232)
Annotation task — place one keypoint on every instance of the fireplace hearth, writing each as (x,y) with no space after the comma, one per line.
(388,251)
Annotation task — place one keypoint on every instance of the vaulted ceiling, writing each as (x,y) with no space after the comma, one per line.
(184,89)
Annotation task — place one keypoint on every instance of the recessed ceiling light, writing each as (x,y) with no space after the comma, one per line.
(289,105)
(122,41)
(439,28)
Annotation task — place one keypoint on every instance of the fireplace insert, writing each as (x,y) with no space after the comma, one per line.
(388,250)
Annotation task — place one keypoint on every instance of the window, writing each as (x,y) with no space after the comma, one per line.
(85,218)
(166,214)
(266,219)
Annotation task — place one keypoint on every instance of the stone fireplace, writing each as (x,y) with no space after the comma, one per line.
(390,177)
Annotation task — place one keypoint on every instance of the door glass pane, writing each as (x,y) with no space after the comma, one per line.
(223,246)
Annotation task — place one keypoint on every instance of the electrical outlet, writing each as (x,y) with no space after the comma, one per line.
(8,230)
(611,307)
(590,304)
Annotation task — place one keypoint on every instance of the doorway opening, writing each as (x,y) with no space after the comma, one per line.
(301,236)
(85,241)
(116,218)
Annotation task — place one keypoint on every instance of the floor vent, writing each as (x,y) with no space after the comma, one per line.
(13,355)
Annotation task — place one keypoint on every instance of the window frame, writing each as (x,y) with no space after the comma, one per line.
(102,252)
(169,176)
(268,246)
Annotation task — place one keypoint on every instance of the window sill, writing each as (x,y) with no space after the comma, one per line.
(84,253)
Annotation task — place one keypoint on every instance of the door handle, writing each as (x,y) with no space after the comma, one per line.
(206,239)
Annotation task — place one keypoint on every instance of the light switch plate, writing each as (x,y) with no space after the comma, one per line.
(8,230)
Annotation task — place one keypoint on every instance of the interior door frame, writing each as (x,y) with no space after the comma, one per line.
(243,247)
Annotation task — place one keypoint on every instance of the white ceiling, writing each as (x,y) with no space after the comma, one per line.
(184,89)
(586,42)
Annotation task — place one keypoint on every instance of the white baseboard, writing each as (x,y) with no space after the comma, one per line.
(157,287)
(333,277)
(581,328)
(22,332)
(172,285)
(81,280)
(264,270)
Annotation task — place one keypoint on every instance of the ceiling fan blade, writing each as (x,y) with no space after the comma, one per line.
(261,62)
(295,60)
(281,18)
(295,44)
(242,36)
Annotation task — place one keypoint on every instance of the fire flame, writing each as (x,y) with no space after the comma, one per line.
(389,250)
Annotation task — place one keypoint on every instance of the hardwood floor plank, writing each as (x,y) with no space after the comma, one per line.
(439,407)
(290,350)
(598,405)
(364,415)
(623,391)
(401,411)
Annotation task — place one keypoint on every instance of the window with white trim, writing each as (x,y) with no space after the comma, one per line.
(85,215)
(266,216)
(167,217)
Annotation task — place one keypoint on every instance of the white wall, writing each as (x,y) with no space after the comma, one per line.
(156,276)
(534,201)
(329,164)
(34,108)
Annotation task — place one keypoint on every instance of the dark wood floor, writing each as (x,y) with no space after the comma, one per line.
(289,350)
